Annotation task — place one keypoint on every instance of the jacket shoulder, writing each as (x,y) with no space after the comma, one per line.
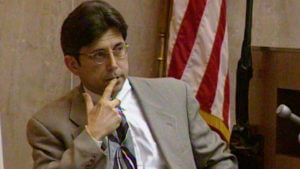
(161,87)
(164,82)
(57,111)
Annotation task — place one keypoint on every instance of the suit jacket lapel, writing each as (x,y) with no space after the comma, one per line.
(162,124)
(77,110)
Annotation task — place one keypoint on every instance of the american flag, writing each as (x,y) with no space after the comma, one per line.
(198,55)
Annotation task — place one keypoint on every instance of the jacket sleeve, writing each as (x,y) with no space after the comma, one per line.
(208,149)
(50,153)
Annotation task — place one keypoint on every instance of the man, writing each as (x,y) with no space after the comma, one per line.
(115,121)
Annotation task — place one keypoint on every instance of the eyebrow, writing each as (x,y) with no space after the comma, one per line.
(118,44)
(102,50)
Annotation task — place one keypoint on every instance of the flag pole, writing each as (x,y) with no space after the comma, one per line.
(244,142)
(244,71)
(164,34)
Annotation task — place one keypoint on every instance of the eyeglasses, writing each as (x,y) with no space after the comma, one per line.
(101,55)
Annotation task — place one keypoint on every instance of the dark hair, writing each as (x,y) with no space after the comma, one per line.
(87,23)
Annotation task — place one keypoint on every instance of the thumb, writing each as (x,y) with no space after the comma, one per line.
(88,102)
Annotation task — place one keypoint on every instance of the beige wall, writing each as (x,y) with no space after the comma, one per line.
(276,23)
(31,69)
(1,150)
(31,62)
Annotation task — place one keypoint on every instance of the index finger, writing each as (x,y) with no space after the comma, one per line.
(109,88)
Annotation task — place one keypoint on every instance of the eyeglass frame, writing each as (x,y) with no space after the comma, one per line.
(93,54)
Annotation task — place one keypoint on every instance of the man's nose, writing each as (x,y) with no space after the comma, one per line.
(111,62)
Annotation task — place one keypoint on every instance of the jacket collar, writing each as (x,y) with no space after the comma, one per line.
(78,109)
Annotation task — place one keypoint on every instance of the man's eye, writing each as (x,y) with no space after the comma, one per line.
(99,54)
(119,49)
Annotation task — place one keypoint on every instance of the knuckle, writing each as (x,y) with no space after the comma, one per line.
(119,118)
(116,112)
(119,101)
(115,103)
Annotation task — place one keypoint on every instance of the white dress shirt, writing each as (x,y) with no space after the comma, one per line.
(147,154)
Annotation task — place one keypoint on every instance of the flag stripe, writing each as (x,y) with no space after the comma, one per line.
(217,106)
(226,101)
(186,37)
(178,12)
(207,89)
(201,51)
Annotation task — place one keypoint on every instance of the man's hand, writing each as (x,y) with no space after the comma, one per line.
(103,118)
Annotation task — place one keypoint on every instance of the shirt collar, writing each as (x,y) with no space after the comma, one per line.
(121,95)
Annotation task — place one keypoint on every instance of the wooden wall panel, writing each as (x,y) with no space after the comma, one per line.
(273,69)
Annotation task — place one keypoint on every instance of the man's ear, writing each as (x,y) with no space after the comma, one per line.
(72,64)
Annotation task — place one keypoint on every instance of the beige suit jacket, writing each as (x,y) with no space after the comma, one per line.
(59,140)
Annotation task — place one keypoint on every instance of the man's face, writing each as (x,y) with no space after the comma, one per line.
(96,77)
